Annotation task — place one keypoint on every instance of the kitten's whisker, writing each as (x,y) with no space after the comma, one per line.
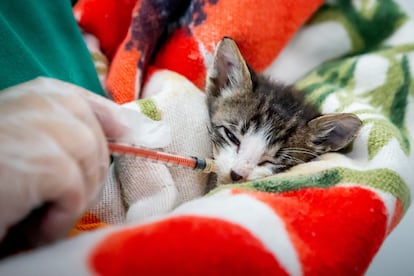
(290,157)
(301,149)
(298,150)
(233,125)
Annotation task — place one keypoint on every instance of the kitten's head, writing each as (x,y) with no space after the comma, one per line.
(259,127)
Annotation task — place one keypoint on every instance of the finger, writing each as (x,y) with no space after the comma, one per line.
(117,122)
(124,124)
(70,121)
(46,175)
(44,152)
(38,157)
(84,138)
(64,198)
(106,112)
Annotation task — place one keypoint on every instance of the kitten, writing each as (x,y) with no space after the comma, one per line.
(259,127)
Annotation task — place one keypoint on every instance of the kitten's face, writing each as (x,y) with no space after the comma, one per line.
(259,127)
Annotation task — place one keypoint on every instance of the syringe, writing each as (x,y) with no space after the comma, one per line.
(204,165)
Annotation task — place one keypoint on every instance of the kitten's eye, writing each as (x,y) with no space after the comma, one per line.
(266,162)
(231,137)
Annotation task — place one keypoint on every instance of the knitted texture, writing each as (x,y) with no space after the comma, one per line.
(326,217)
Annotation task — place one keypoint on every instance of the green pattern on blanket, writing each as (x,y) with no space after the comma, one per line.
(373,80)
(149,108)
(385,103)
(382,179)
(375,84)
(362,20)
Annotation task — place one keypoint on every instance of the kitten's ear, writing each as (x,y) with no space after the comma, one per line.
(229,69)
(333,132)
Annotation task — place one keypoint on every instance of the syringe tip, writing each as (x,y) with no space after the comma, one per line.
(205,165)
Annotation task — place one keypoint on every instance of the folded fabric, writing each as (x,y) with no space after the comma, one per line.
(326,217)
(137,189)
(131,32)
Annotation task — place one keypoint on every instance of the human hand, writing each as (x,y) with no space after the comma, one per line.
(53,158)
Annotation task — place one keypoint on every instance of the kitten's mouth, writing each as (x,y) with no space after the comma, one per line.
(231,178)
(224,179)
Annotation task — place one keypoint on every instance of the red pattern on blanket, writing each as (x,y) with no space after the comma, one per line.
(261,32)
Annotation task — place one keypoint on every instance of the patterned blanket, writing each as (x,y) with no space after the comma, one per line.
(326,217)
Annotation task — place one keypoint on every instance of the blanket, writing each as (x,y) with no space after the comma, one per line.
(326,217)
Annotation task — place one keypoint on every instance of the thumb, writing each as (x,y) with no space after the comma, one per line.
(107,113)
(122,124)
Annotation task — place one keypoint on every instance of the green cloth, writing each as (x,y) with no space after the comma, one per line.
(41,38)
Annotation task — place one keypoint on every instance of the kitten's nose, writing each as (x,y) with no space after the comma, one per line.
(235,176)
